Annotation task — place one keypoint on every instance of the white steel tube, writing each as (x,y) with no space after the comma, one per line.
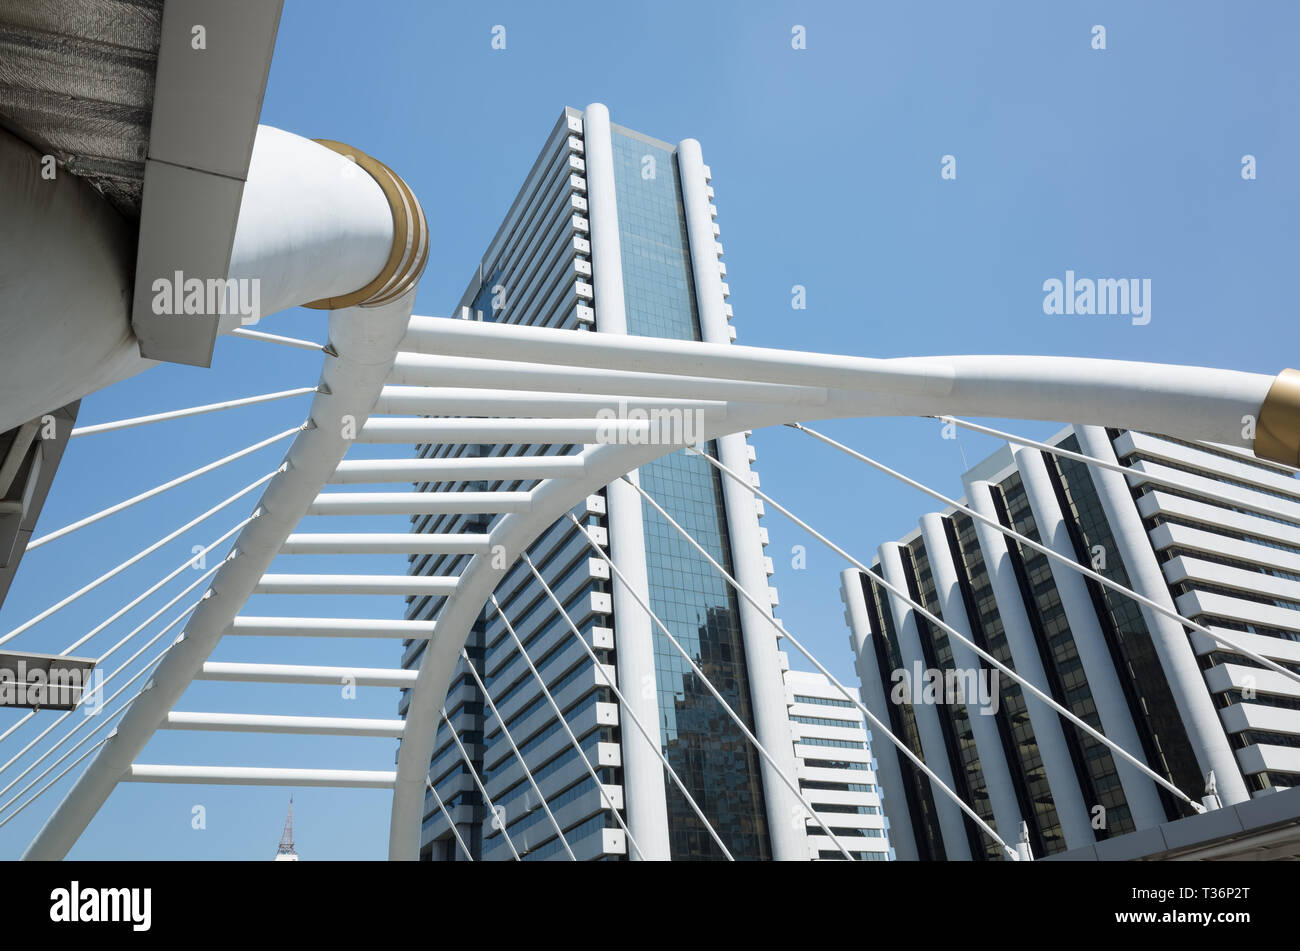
(189,411)
(506,468)
(275,338)
(418,503)
(304,674)
(329,627)
(258,776)
(159,489)
(150,591)
(468,401)
(355,584)
(267,723)
(380,543)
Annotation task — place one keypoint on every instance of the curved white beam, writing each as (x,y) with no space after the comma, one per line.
(1199,403)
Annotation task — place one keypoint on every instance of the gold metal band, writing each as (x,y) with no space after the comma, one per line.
(1277,431)
(410,250)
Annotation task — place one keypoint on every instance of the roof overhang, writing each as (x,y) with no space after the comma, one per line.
(213,60)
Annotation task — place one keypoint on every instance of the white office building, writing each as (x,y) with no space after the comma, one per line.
(836,775)
(1221,547)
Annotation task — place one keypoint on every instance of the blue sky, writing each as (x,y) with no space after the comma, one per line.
(826,162)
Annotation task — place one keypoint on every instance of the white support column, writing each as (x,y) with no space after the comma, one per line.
(889,772)
(984,728)
(766,683)
(1057,764)
(643,781)
(1089,641)
(1191,696)
(934,750)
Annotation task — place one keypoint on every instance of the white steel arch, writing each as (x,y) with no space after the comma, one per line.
(614,396)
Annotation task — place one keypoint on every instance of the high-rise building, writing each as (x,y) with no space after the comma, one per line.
(614,232)
(836,773)
(1222,548)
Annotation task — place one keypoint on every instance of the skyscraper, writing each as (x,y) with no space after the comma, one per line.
(614,232)
(1219,543)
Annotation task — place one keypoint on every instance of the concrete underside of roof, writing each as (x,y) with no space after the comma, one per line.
(109,136)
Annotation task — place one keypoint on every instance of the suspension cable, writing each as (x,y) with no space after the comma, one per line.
(1126,471)
(275,338)
(85,696)
(627,708)
(188,411)
(447,815)
(138,556)
(496,816)
(952,632)
(522,762)
(152,589)
(600,787)
(77,727)
(1057,556)
(791,784)
(159,489)
(781,631)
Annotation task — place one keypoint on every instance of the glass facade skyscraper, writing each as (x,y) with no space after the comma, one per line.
(557,262)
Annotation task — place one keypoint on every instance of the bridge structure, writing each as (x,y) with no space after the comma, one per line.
(394,379)
(322,225)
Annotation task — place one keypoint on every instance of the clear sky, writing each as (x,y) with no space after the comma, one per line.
(1120,163)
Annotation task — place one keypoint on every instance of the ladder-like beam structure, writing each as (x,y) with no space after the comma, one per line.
(594,407)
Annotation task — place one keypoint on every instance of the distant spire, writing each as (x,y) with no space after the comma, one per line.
(286,852)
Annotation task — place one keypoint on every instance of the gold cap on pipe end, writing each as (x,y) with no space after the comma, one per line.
(1277,431)
(410,250)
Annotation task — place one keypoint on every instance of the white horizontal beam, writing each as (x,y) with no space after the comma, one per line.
(469,401)
(671,431)
(424,370)
(605,352)
(329,627)
(419,503)
(353,471)
(379,543)
(267,723)
(356,584)
(303,674)
(260,776)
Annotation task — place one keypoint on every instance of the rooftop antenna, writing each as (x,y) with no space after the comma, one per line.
(286,852)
